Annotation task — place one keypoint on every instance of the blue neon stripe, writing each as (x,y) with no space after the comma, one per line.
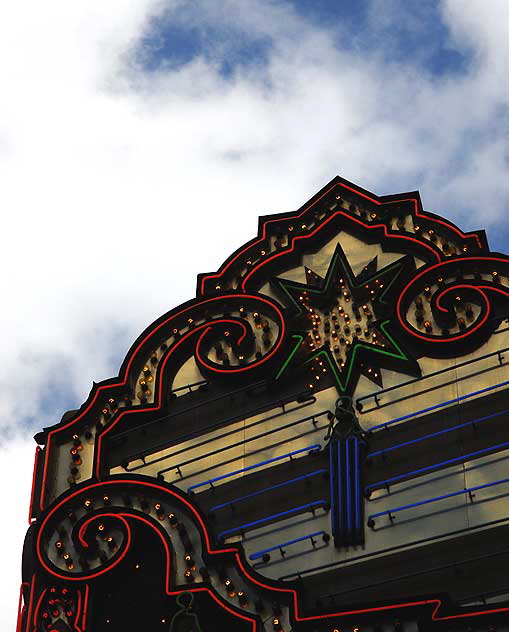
(437,434)
(312,448)
(332,488)
(267,489)
(247,525)
(432,500)
(339,491)
(258,554)
(357,485)
(436,406)
(348,486)
(429,468)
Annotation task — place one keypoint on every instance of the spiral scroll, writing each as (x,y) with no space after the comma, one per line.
(466,296)
(91,518)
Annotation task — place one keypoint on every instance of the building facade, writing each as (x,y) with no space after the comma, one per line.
(316,442)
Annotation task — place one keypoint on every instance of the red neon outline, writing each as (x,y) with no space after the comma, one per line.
(36,612)
(471,330)
(30,603)
(78,610)
(85,608)
(320,226)
(21,610)
(30,509)
(203,363)
(272,305)
(423,215)
(246,571)
(123,516)
(78,613)
(84,543)
(108,429)
(470,287)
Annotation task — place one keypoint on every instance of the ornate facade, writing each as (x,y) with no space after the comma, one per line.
(316,442)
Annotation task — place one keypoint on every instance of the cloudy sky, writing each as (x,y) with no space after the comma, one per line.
(141,139)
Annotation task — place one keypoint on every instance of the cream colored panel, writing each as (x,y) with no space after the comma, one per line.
(187,374)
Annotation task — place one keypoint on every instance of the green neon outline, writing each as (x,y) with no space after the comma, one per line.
(289,358)
(400,356)
(352,281)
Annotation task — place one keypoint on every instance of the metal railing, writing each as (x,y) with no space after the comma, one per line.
(392,549)
(312,507)
(467,490)
(429,409)
(212,428)
(264,490)
(472,423)
(179,466)
(316,447)
(276,547)
(430,468)
(376,396)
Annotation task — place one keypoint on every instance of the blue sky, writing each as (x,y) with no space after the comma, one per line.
(141,139)
(399,31)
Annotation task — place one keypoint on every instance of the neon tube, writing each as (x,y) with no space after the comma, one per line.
(312,448)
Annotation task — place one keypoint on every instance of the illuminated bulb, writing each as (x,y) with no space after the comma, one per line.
(276,624)
(189,562)
(242,598)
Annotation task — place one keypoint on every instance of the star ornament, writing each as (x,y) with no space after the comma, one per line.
(342,323)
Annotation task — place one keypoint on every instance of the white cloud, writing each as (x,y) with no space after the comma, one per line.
(119,186)
(16,464)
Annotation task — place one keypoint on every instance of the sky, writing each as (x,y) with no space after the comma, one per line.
(141,139)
